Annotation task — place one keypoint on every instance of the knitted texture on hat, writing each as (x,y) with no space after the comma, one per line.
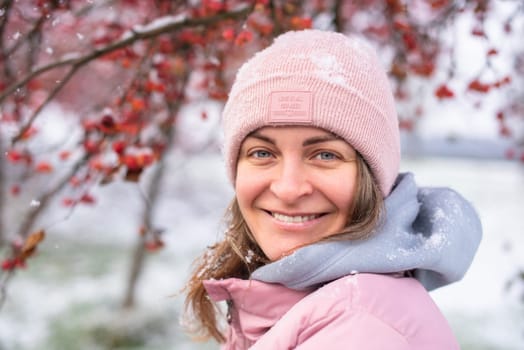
(321,79)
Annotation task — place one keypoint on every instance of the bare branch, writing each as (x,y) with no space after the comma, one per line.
(277,29)
(92,6)
(31,217)
(6,6)
(26,37)
(43,200)
(141,70)
(34,39)
(49,98)
(338,21)
(4,281)
(150,199)
(447,16)
(2,196)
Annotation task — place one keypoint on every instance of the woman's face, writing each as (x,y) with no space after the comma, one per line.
(294,186)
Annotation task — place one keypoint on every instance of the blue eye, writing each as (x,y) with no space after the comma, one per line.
(261,154)
(326,156)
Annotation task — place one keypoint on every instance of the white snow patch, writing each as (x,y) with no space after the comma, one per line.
(250,255)
(198,126)
(436,241)
(438,214)
(329,69)
(158,23)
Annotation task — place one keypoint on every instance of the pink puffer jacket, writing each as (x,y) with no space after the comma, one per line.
(360,312)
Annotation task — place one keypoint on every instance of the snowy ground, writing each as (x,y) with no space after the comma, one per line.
(77,280)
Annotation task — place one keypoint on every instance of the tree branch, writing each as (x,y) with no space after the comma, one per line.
(337,16)
(31,217)
(277,28)
(138,33)
(4,281)
(26,37)
(154,29)
(150,199)
(2,195)
(43,200)
(6,6)
(51,95)
(141,70)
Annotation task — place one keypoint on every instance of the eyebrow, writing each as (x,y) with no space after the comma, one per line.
(308,142)
(320,139)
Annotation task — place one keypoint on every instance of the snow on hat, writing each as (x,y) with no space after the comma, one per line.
(321,79)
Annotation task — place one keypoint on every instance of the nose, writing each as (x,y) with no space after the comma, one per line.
(291,182)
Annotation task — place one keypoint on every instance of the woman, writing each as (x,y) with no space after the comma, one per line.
(328,245)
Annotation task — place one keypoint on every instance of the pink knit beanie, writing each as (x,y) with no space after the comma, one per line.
(321,79)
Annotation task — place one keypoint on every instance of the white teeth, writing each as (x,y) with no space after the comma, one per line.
(293,219)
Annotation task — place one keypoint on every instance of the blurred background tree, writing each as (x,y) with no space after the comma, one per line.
(123,70)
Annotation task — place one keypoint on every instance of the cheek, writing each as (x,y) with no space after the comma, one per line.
(344,192)
(247,187)
(243,198)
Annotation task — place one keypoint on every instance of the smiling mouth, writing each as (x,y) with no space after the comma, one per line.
(294,218)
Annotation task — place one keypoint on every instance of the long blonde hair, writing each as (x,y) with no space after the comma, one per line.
(238,254)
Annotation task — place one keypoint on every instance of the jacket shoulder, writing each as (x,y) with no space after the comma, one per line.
(368,311)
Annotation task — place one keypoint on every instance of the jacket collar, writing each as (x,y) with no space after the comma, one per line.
(254,309)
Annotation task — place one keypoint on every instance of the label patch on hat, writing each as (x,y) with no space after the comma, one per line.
(291,107)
